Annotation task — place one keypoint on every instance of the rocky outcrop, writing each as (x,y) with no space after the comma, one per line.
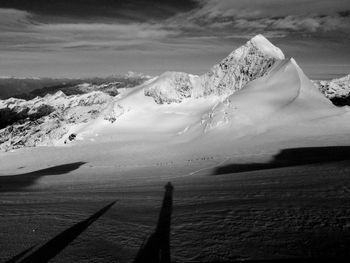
(43,121)
(171,87)
(111,88)
(337,90)
(251,61)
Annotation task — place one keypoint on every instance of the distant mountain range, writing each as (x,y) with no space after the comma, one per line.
(29,88)
(337,90)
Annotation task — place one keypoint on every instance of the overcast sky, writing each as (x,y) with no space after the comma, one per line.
(74,38)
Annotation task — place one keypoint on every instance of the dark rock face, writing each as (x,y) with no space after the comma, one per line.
(41,111)
(341,101)
(337,90)
(10,116)
(72,137)
(44,121)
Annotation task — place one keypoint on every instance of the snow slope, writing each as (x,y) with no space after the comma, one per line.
(284,94)
(272,93)
(283,100)
(249,62)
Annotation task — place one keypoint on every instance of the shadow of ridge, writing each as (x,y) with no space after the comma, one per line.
(292,157)
(16,182)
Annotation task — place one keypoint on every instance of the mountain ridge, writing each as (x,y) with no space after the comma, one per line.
(29,88)
(248,62)
(253,87)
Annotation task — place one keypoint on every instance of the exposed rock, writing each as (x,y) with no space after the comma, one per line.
(171,87)
(251,61)
(72,137)
(42,121)
(111,88)
(114,114)
(337,90)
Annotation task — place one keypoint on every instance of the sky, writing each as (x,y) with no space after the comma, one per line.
(86,38)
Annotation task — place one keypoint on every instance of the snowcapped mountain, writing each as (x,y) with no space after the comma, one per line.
(249,62)
(110,88)
(253,90)
(337,90)
(282,96)
(43,121)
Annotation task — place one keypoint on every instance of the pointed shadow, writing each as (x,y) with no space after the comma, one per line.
(54,246)
(10,183)
(292,157)
(20,255)
(157,247)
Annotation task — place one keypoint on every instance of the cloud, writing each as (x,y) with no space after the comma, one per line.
(298,24)
(122,11)
(13,20)
(273,18)
(113,31)
(203,30)
(213,20)
(266,8)
(21,30)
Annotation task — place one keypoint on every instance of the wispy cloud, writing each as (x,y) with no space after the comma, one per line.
(266,8)
(295,24)
(20,30)
(196,32)
(274,18)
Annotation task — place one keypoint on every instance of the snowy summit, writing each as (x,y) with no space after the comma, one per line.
(254,86)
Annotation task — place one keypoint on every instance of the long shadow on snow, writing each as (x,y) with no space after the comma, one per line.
(16,182)
(292,157)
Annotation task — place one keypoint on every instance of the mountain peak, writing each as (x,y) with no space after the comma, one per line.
(252,60)
(266,47)
(248,62)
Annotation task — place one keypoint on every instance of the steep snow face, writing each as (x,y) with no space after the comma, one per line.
(337,90)
(284,95)
(44,121)
(266,47)
(249,62)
